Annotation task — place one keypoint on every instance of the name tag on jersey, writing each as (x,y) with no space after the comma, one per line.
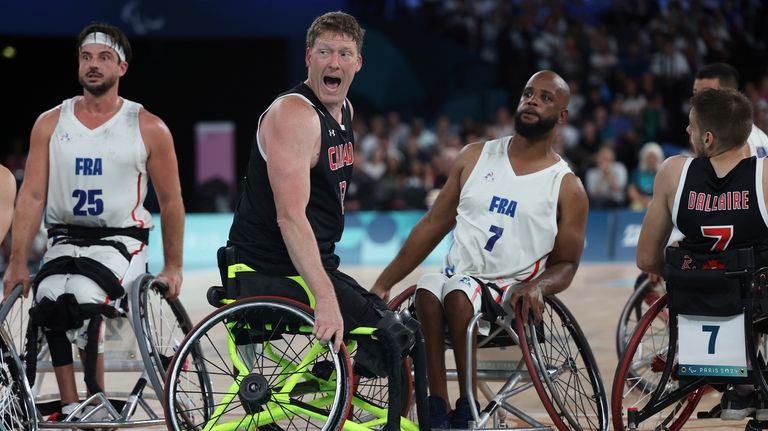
(711,346)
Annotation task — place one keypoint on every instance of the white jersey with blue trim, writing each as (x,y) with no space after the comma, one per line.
(506,223)
(758,142)
(98,177)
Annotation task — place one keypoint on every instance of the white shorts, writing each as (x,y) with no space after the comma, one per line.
(84,289)
(440,285)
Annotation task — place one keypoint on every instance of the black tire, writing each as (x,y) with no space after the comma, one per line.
(160,325)
(268,337)
(644,295)
(639,374)
(570,380)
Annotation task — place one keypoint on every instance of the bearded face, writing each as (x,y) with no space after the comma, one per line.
(529,124)
(98,88)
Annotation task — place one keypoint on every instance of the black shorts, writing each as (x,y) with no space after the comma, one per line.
(358,306)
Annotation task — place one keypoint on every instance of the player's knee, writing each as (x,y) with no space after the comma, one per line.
(60,347)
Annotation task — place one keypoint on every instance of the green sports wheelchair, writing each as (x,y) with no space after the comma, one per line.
(264,369)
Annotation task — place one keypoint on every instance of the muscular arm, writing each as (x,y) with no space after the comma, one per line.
(31,201)
(431,229)
(657,224)
(7,198)
(290,137)
(164,172)
(572,208)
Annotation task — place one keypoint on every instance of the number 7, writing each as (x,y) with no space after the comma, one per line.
(497,231)
(713,330)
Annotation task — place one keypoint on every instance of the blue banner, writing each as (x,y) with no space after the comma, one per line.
(374,238)
(370,238)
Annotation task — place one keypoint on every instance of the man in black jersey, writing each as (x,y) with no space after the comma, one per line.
(291,213)
(713,199)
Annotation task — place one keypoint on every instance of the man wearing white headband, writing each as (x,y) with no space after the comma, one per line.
(87,167)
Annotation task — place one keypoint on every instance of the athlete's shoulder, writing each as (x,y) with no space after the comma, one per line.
(151,123)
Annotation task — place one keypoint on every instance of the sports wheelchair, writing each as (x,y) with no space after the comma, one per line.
(139,342)
(698,336)
(554,358)
(265,370)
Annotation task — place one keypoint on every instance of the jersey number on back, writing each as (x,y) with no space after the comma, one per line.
(723,234)
(88,202)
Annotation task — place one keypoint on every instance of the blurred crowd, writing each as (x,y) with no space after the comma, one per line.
(630,66)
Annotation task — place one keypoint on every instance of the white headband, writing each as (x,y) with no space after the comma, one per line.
(103,39)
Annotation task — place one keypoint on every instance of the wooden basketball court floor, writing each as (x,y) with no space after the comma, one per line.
(595,297)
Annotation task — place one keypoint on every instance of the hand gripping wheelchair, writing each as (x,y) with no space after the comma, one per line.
(139,342)
(266,370)
(699,336)
(554,359)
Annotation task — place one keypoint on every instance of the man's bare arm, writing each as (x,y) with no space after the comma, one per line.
(563,261)
(164,171)
(31,201)
(290,136)
(657,223)
(431,228)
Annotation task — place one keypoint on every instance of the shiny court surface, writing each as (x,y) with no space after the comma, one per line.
(596,297)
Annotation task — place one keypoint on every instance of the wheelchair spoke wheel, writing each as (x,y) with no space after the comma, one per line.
(266,369)
(371,396)
(162,325)
(14,312)
(17,409)
(640,371)
(639,302)
(568,380)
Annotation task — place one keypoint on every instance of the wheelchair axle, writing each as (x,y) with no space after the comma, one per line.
(254,392)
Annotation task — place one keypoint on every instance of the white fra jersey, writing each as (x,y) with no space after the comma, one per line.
(758,142)
(98,178)
(506,224)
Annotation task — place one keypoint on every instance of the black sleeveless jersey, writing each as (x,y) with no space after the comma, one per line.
(716,214)
(255,233)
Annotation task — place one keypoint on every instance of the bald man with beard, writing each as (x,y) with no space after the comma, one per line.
(518,216)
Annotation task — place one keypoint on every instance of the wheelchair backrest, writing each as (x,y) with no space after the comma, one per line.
(713,283)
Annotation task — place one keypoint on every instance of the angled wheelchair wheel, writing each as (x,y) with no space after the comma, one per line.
(160,325)
(567,378)
(17,407)
(14,315)
(640,373)
(267,371)
(644,295)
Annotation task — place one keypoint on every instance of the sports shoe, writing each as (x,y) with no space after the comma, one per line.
(463,414)
(438,413)
(736,407)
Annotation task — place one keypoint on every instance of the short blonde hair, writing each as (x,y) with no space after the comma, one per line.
(336,22)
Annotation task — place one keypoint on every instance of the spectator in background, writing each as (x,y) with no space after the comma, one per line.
(607,180)
(640,187)
(504,125)
(424,137)
(398,130)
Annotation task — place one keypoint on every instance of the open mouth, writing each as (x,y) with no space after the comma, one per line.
(332,82)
